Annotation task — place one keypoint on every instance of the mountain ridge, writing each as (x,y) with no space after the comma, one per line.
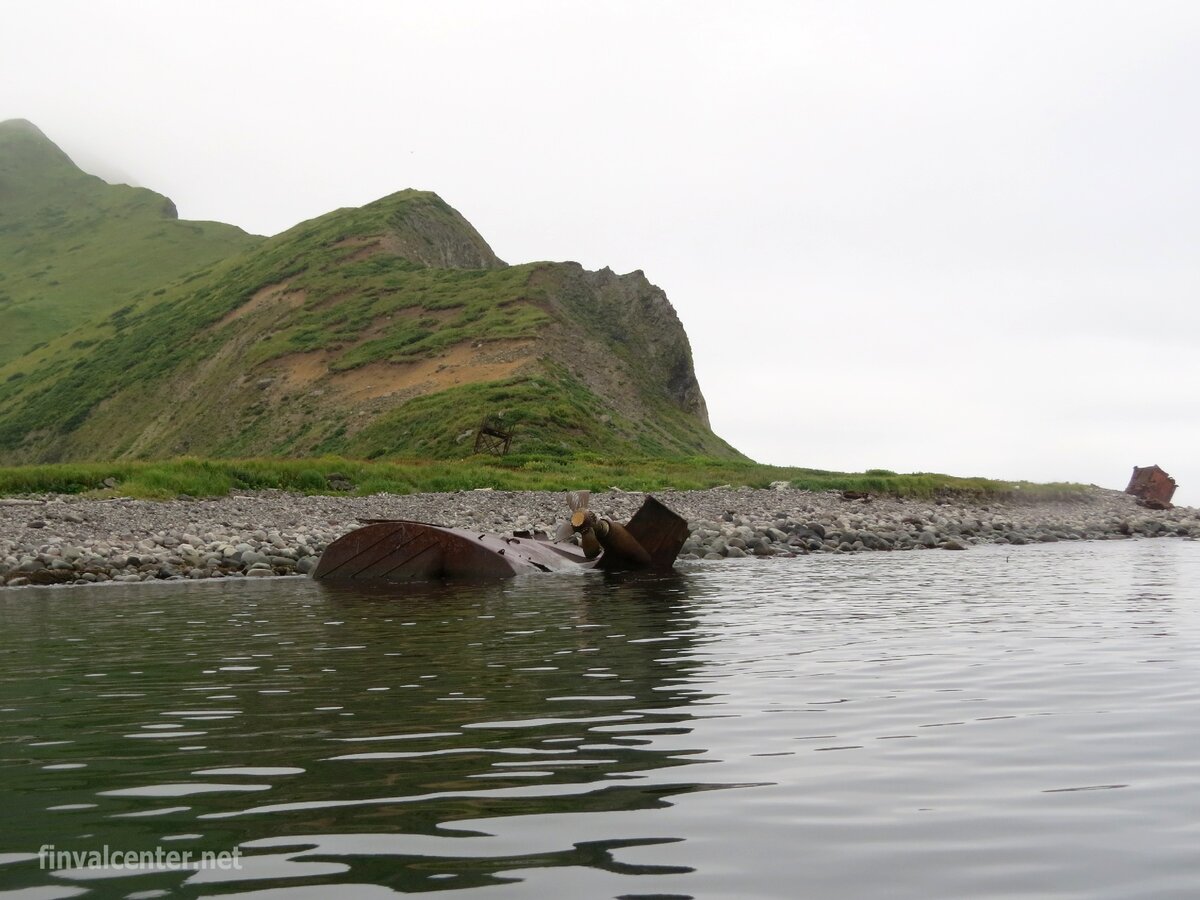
(74,247)
(388,329)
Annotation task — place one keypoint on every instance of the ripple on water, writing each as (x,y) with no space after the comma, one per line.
(253,771)
(903,725)
(183,789)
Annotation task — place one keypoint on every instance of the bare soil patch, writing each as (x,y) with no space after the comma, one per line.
(461,364)
(273,295)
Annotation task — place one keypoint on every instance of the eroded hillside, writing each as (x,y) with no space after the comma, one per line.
(386,330)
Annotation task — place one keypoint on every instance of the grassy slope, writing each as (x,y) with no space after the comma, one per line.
(75,248)
(175,368)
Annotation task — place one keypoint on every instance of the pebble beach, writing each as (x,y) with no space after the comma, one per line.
(64,540)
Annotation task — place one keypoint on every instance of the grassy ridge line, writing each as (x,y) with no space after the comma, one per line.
(74,248)
(195,477)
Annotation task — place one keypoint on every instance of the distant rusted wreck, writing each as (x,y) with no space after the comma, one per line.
(1153,487)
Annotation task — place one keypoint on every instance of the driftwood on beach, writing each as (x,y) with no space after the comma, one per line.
(67,540)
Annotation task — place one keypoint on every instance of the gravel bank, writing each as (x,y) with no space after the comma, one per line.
(66,540)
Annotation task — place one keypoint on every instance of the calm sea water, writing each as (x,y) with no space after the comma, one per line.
(997,723)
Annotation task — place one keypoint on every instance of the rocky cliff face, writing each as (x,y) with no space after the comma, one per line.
(651,331)
(435,234)
(622,338)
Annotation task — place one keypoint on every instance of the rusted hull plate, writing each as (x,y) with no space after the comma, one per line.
(402,551)
(1152,485)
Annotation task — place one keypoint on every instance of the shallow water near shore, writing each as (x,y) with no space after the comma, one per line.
(1007,722)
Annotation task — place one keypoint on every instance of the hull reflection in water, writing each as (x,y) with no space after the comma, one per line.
(341,731)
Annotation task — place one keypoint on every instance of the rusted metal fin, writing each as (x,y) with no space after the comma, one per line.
(661,531)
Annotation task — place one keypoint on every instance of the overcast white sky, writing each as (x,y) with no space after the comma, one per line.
(954,236)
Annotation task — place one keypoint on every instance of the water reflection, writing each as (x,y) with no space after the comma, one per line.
(362,725)
(906,725)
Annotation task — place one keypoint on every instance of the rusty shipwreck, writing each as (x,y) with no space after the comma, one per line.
(1153,487)
(398,551)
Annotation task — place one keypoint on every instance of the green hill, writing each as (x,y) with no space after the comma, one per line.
(73,248)
(386,330)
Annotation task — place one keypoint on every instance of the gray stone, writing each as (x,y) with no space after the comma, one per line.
(259,522)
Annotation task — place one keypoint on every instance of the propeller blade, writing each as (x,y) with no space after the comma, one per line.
(577,501)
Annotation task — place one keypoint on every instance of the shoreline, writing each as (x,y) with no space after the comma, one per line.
(64,539)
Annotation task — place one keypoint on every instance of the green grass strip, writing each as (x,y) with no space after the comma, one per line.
(331,475)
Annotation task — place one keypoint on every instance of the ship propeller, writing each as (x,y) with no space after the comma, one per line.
(577,502)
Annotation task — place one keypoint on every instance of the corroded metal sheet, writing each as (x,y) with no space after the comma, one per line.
(1151,485)
(401,551)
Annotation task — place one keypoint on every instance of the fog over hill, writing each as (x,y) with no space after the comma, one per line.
(74,248)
